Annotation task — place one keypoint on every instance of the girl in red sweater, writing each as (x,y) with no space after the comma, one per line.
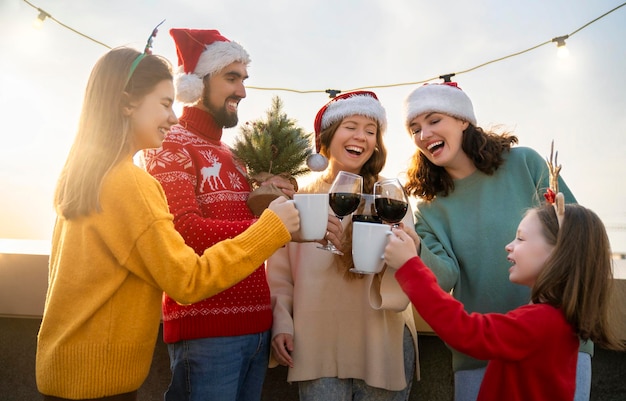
(565,258)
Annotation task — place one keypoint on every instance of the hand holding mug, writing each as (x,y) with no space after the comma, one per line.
(286,212)
(399,249)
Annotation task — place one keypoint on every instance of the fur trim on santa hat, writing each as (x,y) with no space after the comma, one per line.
(446,98)
(362,103)
(218,55)
(355,105)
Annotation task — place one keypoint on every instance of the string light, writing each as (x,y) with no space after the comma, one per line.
(447,77)
(562,50)
(559,40)
(43,15)
(38,23)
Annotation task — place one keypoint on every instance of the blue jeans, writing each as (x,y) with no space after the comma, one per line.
(467,382)
(335,389)
(219,368)
(583,377)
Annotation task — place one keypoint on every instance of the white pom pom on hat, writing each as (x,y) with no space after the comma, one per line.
(188,87)
(317,162)
(201,52)
(446,98)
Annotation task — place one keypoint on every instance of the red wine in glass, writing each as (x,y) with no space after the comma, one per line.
(390,200)
(391,210)
(344,203)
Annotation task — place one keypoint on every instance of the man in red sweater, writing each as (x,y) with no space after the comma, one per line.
(219,347)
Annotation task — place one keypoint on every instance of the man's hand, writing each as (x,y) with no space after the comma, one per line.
(281,183)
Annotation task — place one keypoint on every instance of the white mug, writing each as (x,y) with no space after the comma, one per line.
(313,209)
(368,246)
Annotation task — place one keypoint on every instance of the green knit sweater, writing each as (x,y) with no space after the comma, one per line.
(464,235)
(107,275)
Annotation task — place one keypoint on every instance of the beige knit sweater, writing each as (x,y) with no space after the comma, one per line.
(341,328)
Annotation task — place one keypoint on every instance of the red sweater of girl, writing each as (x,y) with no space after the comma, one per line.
(532,350)
(206,191)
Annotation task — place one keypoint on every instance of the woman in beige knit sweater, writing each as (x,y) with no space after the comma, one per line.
(343,335)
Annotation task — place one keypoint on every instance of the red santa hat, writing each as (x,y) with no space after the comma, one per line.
(201,52)
(362,103)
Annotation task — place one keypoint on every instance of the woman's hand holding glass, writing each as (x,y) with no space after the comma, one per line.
(344,197)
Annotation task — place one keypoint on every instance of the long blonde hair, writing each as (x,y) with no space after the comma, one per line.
(104,131)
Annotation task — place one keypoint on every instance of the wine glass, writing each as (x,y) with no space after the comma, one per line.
(344,197)
(366,212)
(390,200)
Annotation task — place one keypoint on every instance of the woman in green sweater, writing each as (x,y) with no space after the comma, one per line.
(474,188)
(115,249)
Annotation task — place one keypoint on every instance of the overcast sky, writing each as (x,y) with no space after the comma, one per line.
(579,102)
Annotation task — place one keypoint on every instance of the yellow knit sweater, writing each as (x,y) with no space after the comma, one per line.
(107,275)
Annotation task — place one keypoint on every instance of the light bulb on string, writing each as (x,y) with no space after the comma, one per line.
(38,23)
(561,50)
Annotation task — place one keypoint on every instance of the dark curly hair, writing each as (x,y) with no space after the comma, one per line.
(485,148)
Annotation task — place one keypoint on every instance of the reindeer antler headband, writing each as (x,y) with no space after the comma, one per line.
(552,195)
(146,50)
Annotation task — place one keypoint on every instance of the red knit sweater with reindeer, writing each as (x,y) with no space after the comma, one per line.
(207,192)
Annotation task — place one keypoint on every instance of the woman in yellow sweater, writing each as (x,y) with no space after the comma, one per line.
(115,249)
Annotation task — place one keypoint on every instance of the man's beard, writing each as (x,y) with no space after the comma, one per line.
(221,116)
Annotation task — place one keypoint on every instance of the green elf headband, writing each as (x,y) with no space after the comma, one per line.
(147,50)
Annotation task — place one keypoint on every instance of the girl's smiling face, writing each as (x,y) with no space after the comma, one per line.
(439,137)
(529,251)
(152,117)
(352,144)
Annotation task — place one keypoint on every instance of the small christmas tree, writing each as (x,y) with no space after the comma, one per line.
(274,146)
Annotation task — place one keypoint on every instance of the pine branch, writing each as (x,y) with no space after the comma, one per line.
(274,144)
